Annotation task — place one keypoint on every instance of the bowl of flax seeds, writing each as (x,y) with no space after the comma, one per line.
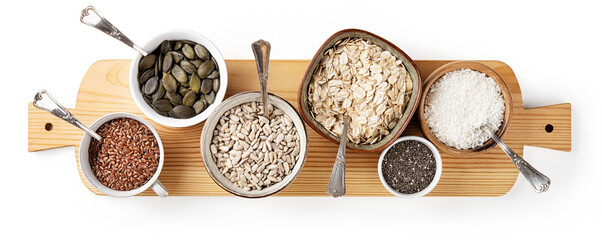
(127,160)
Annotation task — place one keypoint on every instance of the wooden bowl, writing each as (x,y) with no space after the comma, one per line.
(438,73)
(403,121)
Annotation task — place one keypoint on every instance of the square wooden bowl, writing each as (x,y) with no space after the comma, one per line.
(438,73)
(403,121)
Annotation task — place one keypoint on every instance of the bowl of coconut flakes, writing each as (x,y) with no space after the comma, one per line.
(460,99)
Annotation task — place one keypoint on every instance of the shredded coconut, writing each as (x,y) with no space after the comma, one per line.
(459,103)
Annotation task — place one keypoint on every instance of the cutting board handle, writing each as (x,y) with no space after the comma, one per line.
(546,127)
(46,131)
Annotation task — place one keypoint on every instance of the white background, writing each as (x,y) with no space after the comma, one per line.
(553,47)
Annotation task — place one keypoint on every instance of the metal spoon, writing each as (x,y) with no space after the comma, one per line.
(93,19)
(44,101)
(538,181)
(336,185)
(261,50)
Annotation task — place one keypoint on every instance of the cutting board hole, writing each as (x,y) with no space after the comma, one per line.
(549,128)
(48,126)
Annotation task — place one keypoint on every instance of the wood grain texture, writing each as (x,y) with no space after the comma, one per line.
(104,89)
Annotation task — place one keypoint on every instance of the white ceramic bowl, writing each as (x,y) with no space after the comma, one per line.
(207,136)
(84,162)
(437,172)
(151,46)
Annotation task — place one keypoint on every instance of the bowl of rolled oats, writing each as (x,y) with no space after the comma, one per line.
(250,154)
(361,75)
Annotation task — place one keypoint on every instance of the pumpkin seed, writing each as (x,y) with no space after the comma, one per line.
(177,57)
(202,52)
(158,65)
(165,47)
(188,51)
(189,98)
(162,105)
(165,114)
(196,62)
(191,43)
(183,90)
(169,82)
(210,97)
(185,84)
(216,85)
(195,83)
(177,45)
(151,85)
(198,106)
(147,99)
(206,86)
(159,93)
(167,62)
(146,75)
(188,67)
(214,74)
(182,111)
(147,62)
(205,68)
(179,78)
(179,74)
(174,98)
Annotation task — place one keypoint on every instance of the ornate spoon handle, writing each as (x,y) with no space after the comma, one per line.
(44,101)
(93,19)
(261,50)
(336,185)
(538,180)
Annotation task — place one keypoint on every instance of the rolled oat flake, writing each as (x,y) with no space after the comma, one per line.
(409,167)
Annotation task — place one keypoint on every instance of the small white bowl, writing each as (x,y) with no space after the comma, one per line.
(437,171)
(85,167)
(153,44)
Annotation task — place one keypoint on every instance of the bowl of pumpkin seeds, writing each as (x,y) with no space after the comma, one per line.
(182,79)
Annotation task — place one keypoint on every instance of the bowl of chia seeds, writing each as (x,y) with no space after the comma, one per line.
(410,167)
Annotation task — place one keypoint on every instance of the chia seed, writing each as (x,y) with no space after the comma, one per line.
(409,167)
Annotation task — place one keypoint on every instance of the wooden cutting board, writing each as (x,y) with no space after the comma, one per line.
(104,89)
